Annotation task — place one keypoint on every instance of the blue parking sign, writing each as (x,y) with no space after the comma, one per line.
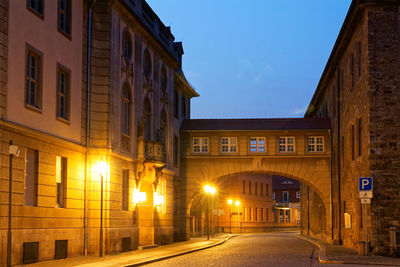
(365,183)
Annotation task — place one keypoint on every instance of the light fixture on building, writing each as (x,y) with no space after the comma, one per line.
(138,196)
(158,199)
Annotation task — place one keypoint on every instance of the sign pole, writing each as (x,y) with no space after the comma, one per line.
(366,229)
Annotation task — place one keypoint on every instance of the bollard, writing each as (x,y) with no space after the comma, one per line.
(393,248)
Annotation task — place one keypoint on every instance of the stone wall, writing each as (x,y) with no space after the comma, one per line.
(384,96)
(3,55)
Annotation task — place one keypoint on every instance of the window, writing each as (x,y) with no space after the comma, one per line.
(176,149)
(255,214)
(266,189)
(298,194)
(352,142)
(359,136)
(228,144)
(63,92)
(156,72)
(359,59)
(176,104)
(244,187)
(262,189)
(126,110)
(200,144)
(287,215)
(64,16)
(352,70)
(266,214)
(273,195)
(147,119)
(31,178)
(147,64)
(183,106)
(164,79)
(261,214)
(163,127)
(249,187)
(33,78)
(127,45)
(285,196)
(315,144)
(255,188)
(257,144)
(61,181)
(249,214)
(286,144)
(35,6)
(125,190)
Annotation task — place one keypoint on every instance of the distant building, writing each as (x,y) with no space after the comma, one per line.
(286,199)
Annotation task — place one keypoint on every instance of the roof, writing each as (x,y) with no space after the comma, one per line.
(284,183)
(257,124)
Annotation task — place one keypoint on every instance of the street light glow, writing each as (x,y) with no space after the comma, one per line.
(230,201)
(237,203)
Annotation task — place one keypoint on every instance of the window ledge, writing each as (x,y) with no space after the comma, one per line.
(63,120)
(33,108)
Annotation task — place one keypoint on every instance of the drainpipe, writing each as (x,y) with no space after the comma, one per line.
(88,92)
(330,199)
(339,155)
(308,211)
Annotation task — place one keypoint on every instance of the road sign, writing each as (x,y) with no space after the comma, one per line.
(365,184)
(366,201)
(365,194)
(365,187)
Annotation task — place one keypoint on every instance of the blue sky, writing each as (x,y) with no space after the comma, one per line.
(255,58)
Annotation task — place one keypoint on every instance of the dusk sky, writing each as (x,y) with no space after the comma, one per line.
(253,59)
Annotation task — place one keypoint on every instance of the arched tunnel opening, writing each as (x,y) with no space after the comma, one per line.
(257,202)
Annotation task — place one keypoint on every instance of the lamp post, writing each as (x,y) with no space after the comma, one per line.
(102,169)
(210,190)
(237,203)
(12,151)
(230,201)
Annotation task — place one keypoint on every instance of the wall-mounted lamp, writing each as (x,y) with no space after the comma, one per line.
(138,196)
(158,199)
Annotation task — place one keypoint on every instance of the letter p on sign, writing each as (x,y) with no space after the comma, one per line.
(365,184)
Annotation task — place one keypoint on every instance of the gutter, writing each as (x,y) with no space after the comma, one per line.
(88,93)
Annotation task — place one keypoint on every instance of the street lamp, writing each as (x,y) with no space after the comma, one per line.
(13,151)
(230,201)
(101,167)
(210,190)
(237,203)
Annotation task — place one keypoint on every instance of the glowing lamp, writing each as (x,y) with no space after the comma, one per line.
(230,201)
(237,203)
(139,196)
(158,199)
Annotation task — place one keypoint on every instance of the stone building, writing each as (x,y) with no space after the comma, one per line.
(359,91)
(93,97)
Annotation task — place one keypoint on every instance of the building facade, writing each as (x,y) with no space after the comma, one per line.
(286,198)
(359,92)
(93,98)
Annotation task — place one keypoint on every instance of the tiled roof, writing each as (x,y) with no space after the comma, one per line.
(257,124)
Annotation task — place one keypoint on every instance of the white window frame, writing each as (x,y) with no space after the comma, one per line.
(229,144)
(286,144)
(257,145)
(285,193)
(315,144)
(200,145)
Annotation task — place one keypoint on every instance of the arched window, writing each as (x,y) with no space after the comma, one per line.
(127,44)
(163,126)
(147,63)
(125,110)
(164,79)
(147,119)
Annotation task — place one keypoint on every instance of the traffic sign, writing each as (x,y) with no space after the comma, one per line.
(365,201)
(365,194)
(365,184)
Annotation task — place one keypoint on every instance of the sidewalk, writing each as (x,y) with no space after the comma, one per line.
(333,254)
(138,257)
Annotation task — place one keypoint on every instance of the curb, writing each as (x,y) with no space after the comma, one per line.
(322,252)
(324,260)
(179,253)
